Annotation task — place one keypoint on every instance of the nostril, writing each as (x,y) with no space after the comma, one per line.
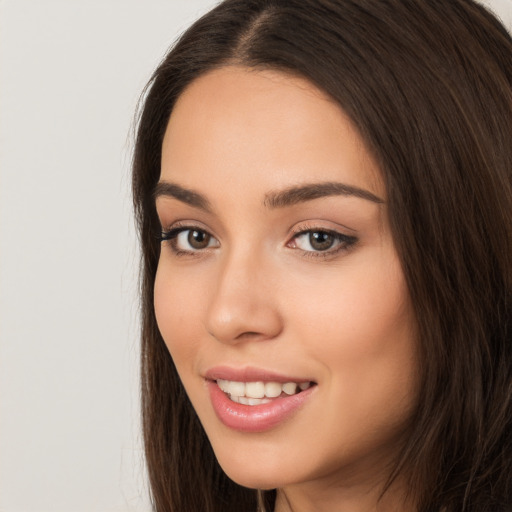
(249,334)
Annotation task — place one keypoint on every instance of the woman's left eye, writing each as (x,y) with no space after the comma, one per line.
(322,241)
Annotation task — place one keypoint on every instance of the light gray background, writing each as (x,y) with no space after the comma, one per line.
(70,75)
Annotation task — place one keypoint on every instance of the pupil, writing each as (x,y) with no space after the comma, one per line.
(198,239)
(321,240)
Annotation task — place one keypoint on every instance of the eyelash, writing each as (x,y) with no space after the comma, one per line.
(172,234)
(344,242)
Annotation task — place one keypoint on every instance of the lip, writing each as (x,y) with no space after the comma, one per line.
(254,418)
(251,374)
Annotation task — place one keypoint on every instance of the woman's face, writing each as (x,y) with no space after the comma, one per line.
(279,292)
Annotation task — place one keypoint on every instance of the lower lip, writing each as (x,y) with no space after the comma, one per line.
(255,418)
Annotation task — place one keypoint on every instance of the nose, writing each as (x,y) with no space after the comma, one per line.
(243,304)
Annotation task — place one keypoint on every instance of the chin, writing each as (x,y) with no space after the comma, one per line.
(254,477)
(257,468)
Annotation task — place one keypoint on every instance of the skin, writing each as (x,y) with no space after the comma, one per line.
(260,295)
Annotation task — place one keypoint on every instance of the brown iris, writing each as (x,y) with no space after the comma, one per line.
(321,240)
(198,239)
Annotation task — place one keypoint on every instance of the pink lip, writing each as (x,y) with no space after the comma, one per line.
(253,418)
(250,374)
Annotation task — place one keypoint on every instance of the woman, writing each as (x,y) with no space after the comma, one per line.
(324,196)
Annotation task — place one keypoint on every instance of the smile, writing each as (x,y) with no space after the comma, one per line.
(259,392)
(254,400)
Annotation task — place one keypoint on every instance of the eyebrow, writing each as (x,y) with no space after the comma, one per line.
(164,188)
(280,199)
(308,192)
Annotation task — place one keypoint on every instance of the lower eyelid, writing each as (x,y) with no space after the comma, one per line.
(342,243)
(171,237)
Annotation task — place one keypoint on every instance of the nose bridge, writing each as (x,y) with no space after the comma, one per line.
(242,303)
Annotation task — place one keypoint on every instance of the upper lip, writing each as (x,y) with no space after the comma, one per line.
(250,374)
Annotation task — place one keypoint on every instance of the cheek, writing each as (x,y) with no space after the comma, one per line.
(362,302)
(362,331)
(176,311)
(371,317)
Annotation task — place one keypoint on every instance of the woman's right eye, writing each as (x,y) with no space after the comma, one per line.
(186,240)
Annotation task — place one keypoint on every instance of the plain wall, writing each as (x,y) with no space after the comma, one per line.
(70,75)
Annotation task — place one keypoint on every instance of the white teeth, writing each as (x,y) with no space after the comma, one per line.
(273,389)
(289,388)
(249,401)
(256,393)
(258,401)
(236,388)
(223,384)
(255,389)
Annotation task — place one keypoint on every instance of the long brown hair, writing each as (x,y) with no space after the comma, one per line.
(428,83)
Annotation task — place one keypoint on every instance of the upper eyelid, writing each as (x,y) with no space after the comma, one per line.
(294,231)
(171,236)
(299,228)
(176,227)
(302,231)
(345,243)
(184,225)
(320,225)
(338,234)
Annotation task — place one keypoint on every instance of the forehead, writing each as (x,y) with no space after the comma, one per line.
(243,125)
